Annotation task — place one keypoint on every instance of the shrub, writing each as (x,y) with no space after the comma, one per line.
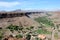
(28,37)
(1,34)
(31,27)
(40,31)
(14,27)
(19,36)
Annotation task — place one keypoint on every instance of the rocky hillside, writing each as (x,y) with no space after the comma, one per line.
(55,16)
(24,21)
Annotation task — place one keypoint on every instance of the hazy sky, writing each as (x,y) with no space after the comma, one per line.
(29,4)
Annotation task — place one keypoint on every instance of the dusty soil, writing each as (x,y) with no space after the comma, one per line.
(23,21)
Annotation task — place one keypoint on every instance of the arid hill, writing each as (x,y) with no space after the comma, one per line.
(55,17)
(24,21)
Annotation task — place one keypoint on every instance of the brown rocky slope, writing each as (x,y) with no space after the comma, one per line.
(23,21)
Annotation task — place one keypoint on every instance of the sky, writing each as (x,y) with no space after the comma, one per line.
(9,5)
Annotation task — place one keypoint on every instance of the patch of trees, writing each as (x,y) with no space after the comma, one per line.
(14,27)
(45,21)
(41,31)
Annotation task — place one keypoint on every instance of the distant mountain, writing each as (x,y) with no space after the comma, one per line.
(3,11)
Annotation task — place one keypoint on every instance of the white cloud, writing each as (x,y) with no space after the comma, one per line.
(9,4)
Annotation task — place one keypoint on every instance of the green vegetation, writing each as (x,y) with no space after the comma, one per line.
(28,37)
(45,21)
(1,34)
(14,27)
(56,35)
(29,28)
(40,31)
(19,36)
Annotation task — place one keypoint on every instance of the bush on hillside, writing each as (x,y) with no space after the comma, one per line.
(14,27)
